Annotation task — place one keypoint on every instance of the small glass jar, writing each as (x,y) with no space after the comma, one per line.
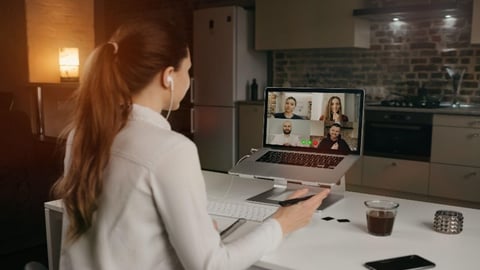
(380,217)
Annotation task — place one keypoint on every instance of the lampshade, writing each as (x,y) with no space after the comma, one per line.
(68,61)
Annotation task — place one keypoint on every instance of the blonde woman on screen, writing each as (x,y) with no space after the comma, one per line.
(333,111)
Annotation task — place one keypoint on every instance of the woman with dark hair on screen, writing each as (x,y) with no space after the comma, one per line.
(333,111)
(132,189)
(289,107)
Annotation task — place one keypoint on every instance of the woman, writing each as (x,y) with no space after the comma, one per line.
(132,188)
(334,142)
(289,107)
(333,111)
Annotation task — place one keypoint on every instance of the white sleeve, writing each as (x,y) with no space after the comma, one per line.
(277,139)
(180,196)
(296,140)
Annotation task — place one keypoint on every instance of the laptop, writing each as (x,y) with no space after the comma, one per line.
(309,133)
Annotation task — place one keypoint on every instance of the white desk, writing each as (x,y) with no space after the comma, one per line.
(333,245)
(53,226)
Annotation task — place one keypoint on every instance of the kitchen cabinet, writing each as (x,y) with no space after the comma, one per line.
(250,126)
(354,175)
(456,140)
(455,182)
(455,170)
(304,24)
(450,174)
(395,174)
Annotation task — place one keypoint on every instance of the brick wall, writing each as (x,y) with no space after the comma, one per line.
(402,56)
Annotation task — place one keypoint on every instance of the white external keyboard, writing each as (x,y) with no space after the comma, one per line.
(248,211)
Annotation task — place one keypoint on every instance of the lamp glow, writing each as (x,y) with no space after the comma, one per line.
(69,62)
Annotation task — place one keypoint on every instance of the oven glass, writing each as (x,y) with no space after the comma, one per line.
(397,137)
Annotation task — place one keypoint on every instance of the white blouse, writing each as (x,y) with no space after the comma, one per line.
(153,210)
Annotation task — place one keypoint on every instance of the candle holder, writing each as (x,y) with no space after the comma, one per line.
(449,222)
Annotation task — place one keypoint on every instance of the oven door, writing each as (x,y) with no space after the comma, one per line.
(395,138)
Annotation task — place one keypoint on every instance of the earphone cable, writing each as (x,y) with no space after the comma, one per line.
(171,100)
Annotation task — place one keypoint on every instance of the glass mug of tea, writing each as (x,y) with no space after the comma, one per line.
(380,216)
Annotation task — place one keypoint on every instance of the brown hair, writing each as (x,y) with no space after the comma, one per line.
(113,72)
(328,109)
(292,98)
(335,125)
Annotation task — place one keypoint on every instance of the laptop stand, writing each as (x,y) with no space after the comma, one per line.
(282,189)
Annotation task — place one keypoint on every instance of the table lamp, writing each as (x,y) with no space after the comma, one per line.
(68,63)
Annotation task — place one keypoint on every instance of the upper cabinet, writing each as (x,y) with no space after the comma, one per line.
(308,24)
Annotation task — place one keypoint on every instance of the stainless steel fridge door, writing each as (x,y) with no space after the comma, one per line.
(214,134)
(214,56)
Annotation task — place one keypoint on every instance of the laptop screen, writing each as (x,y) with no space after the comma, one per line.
(326,120)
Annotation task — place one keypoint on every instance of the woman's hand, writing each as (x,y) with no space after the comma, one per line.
(296,216)
(336,117)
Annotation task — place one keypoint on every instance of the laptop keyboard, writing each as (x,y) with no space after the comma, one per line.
(301,159)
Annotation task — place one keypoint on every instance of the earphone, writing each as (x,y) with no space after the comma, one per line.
(170,81)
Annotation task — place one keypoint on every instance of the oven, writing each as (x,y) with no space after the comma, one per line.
(398,134)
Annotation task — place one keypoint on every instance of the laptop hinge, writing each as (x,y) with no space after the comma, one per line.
(280,183)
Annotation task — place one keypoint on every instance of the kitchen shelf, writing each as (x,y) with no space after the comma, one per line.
(410,12)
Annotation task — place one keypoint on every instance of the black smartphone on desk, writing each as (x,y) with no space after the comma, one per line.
(413,262)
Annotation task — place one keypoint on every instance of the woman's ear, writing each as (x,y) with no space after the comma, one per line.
(167,77)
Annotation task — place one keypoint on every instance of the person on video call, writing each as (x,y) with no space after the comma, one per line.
(287,138)
(289,107)
(333,111)
(133,189)
(334,142)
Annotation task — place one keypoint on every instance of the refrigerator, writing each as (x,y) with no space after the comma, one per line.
(224,64)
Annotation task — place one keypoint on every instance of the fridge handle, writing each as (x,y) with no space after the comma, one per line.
(192,120)
(192,90)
